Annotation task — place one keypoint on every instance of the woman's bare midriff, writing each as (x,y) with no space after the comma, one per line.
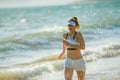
(74,54)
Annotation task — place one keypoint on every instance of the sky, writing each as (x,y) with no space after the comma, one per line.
(26,3)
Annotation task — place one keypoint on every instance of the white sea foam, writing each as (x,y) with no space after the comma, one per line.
(101,69)
(23,20)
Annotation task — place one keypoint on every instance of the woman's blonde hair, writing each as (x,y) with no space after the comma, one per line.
(75,19)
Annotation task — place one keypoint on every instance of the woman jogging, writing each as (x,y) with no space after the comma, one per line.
(73,42)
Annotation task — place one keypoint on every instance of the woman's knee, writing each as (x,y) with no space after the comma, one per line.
(81,75)
(68,74)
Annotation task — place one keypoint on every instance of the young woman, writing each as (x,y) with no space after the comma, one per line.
(73,42)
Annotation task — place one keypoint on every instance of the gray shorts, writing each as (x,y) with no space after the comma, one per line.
(78,65)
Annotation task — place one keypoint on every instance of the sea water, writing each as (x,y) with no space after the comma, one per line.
(29,35)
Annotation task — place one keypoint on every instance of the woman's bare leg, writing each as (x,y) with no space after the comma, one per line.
(81,75)
(68,73)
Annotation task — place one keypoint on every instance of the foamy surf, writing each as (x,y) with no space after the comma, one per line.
(27,72)
(51,65)
(48,70)
(112,50)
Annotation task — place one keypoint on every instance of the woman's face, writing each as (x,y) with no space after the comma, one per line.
(71,28)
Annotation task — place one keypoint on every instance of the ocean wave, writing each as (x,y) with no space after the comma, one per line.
(112,50)
(47,38)
(50,64)
(109,23)
(42,66)
(26,73)
(55,31)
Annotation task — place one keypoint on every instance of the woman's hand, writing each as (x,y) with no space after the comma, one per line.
(66,43)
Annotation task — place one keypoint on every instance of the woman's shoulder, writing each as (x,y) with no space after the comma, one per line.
(65,34)
(79,34)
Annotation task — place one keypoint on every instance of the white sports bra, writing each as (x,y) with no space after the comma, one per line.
(71,39)
(72,42)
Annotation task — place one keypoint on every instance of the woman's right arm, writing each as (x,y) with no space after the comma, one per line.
(64,48)
(62,53)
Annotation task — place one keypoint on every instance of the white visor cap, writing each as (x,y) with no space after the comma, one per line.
(72,23)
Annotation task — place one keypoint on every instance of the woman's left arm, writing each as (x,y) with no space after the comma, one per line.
(79,39)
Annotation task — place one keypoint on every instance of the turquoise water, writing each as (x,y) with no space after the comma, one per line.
(28,34)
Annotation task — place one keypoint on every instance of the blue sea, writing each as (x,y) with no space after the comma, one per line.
(31,39)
